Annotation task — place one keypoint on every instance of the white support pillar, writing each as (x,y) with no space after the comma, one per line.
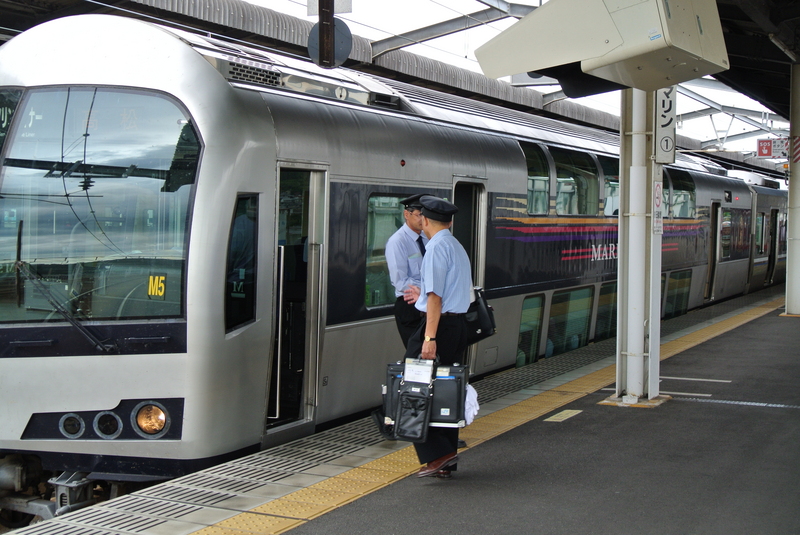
(639,257)
(637,244)
(793,230)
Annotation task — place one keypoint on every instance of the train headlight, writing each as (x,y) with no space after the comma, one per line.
(71,425)
(151,419)
(107,425)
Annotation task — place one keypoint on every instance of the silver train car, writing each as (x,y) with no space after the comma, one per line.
(191,250)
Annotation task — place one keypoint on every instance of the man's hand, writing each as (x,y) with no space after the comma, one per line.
(411,294)
(429,350)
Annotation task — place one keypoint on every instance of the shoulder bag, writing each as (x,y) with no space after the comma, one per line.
(480,318)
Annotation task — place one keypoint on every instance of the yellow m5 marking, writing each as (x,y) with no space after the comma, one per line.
(157,286)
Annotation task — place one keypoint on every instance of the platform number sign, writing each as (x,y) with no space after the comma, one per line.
(665,121)
(157,286)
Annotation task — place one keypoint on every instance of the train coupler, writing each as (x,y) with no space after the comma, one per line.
(73,491)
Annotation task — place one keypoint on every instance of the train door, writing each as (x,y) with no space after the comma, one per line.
(469,228)
(772,237)
(715,229)
(299,313)
(469,224)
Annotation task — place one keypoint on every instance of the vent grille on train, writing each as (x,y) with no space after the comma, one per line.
(254,75)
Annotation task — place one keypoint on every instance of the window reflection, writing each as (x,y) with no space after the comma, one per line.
(577,183)
(610,168)
(95,189)
(538,179)
(530,329)
(570,318)
(384,217)
(240,287)
(682,200)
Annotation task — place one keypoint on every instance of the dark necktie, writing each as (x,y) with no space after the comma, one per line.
(421,245)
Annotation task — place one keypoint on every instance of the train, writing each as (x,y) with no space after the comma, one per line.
(192,246)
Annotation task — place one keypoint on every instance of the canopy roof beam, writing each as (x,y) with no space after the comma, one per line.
(765,117)
(719,108)
(498,10)
(736,137)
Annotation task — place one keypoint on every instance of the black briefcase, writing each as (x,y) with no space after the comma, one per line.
(448,402)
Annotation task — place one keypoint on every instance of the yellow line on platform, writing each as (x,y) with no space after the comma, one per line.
(292,510)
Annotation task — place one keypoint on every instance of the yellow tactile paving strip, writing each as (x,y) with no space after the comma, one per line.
(283,514)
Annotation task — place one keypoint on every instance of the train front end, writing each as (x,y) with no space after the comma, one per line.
(114,359)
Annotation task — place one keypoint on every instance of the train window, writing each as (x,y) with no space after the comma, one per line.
(606,312)
(530,330)
(735,233)
(95,190)
(570,318)
(782,233)
(682,200)
(760,233)
(240,281)
(610,167)
(577,188)
(726,233)
(9,98)
(677,299)
(384,217)
(538,179)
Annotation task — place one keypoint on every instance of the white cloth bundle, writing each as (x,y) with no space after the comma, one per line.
(471,407)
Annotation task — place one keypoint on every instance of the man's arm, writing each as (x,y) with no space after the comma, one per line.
(398,270)
(432,325)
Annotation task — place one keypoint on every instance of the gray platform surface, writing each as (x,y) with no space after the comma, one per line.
(722,457)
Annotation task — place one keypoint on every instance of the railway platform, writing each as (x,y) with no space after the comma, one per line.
(547,454)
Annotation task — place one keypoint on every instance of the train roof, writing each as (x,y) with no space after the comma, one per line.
(259,68)
(253,66)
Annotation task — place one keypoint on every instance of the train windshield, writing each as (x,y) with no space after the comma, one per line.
(95,190)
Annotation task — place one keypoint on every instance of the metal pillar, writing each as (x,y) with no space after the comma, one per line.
(639,260)
(793,230)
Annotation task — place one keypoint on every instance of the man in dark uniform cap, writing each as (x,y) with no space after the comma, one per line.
(446,289)
(404,251)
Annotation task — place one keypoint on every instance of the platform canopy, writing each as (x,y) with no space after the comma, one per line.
(762,38)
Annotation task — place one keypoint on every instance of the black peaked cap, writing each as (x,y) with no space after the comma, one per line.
(412,202)
(437,209)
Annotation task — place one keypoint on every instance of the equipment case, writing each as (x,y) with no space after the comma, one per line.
(449,394)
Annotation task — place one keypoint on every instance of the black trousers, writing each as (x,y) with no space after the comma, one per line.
(451,345)
(407,318)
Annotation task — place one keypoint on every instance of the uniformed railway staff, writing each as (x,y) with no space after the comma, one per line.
(404,251)
(446,287)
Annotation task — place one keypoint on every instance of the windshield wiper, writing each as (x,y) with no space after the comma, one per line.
(24,269)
